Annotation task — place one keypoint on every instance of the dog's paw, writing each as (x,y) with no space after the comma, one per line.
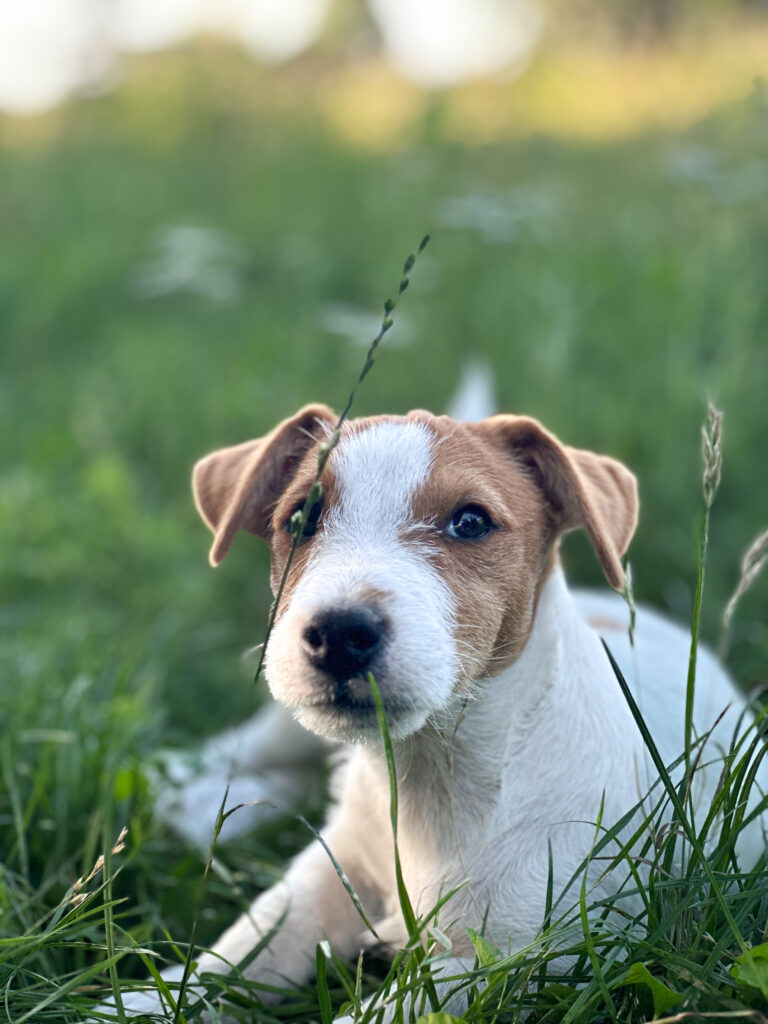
(147,1003)
(384,1006)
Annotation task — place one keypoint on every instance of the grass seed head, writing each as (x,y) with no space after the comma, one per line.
(120,841)
(96,868)
(711,435)
(752,564)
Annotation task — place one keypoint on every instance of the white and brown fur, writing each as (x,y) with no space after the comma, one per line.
(510,729)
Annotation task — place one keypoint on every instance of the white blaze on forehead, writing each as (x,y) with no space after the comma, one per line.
(363,546)
(378,471)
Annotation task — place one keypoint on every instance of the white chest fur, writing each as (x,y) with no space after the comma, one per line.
(534,760)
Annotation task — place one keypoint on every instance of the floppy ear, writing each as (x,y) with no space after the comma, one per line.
(235,488)
(582,489)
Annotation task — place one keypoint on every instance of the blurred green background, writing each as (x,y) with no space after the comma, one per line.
(190,255)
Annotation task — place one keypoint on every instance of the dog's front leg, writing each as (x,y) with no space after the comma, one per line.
(309,905)
(451,996)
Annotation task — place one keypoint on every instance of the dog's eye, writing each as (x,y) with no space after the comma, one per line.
(313,517)
(469,522)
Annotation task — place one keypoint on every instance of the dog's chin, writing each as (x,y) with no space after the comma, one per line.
(358,722)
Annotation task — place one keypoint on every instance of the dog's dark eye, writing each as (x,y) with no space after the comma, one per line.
(313,517)
(469,522)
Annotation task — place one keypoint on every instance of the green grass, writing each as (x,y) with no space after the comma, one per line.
(630,284)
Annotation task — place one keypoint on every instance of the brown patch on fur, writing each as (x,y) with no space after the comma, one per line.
(578,488)
(604,625)
(495,579)
(582,489)
(280,538)
(235,488)
(534,489)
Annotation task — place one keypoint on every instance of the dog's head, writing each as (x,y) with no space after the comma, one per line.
(423,560)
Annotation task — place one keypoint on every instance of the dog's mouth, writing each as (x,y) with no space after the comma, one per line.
(348,703)
(350,695)
(346,715)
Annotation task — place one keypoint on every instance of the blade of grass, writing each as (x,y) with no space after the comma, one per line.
(675,799)
(74,983)
(405,901)
(322,955)
(177,1013)
(9,778)
(585,920)
(315,490)
(711,434)
(402,892)
(109,927)
(343,878)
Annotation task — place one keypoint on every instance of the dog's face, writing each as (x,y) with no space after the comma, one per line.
(421,563)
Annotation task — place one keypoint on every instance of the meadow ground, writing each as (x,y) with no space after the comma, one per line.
(178,273)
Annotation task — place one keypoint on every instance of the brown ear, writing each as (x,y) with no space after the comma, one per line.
(582,489)
(235,488)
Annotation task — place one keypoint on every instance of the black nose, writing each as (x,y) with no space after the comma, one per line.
(343,641)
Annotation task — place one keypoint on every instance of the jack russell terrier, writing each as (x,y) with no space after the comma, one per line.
(431,561)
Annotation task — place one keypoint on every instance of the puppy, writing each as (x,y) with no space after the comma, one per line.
(431,561)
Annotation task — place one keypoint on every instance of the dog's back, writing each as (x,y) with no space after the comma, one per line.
(655,664)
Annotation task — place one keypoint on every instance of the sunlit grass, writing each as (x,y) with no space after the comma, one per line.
(604,92)
(583,90)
